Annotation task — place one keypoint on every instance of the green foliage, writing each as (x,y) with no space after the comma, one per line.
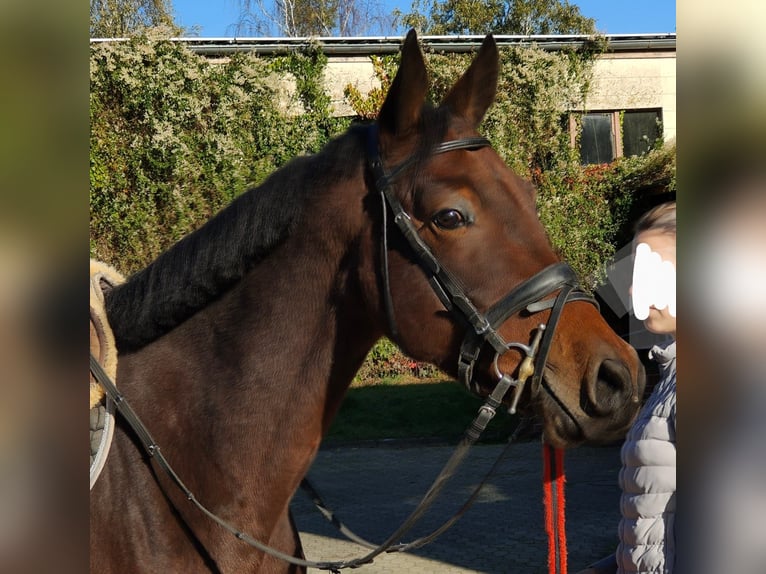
(174,138)
(454,16)
(544,17)
(525,17)
(385,362)
(121,18)
(601,200)
(315,124)
(315,17)
(367,106)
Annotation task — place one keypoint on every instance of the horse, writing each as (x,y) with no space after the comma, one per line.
(238,343)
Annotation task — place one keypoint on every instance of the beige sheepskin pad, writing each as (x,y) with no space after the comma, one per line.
(102,276)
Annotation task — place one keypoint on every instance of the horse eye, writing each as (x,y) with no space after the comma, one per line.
(449,219)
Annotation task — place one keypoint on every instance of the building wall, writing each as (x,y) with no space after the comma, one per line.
(344,70)
(626,81)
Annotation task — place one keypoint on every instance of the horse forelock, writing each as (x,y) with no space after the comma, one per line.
(206,263)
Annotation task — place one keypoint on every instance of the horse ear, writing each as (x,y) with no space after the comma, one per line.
(401,110)
(475,91)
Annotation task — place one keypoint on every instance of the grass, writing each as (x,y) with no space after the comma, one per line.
(407,408)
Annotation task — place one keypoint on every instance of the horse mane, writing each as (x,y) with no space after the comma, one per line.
(205,264)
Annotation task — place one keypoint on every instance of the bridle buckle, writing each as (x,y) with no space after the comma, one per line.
(526,368)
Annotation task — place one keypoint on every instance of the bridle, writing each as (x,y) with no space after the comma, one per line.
(529,296)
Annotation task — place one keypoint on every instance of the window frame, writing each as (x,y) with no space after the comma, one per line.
(616,117)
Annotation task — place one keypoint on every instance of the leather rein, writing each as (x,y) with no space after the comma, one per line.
(483,329)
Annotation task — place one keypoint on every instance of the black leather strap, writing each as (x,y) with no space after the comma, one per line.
(547,281)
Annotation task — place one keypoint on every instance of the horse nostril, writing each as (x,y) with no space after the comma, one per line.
(613,376)
(611,386)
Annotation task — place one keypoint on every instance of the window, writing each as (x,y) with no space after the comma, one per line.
(639,131)
(607,135)
(597,142)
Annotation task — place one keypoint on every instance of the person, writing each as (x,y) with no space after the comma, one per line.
(648,475)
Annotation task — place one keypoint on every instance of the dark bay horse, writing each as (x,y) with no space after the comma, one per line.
(237,345)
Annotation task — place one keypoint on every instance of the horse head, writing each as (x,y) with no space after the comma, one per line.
(467,262)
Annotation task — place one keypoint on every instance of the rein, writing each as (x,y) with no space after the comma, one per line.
(330,515)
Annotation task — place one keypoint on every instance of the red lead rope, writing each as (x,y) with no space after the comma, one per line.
(553,502)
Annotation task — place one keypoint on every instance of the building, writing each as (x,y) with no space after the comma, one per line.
(631,104)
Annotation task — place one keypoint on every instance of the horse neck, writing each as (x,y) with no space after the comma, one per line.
(254,379)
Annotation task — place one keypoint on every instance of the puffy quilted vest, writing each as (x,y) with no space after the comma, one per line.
(648,479)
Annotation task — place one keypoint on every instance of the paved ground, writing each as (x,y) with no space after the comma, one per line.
(374,488)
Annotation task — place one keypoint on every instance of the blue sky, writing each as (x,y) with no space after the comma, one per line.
(215,18)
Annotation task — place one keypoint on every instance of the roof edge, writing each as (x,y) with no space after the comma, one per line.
(391,44)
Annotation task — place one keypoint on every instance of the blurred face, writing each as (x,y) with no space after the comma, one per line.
(653,289)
